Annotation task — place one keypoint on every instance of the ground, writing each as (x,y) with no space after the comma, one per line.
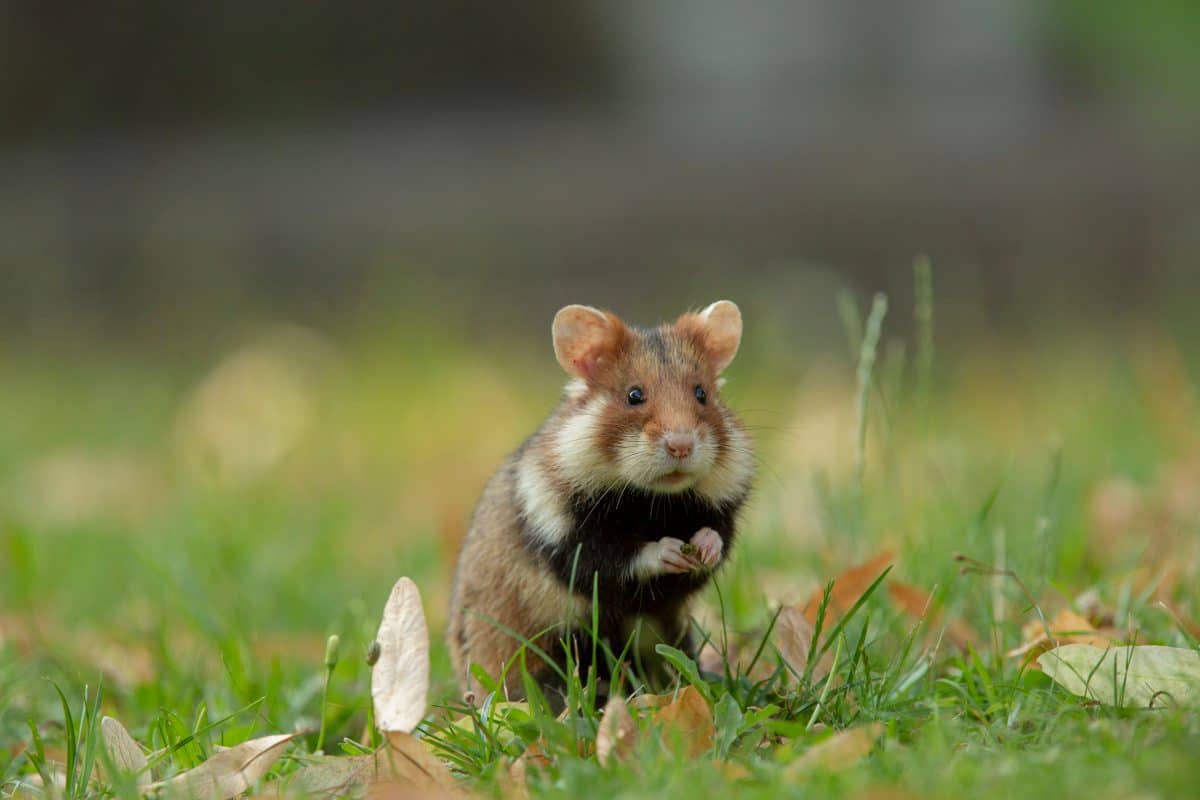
(184,531)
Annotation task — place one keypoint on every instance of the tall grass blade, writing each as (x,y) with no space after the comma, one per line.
(866,364)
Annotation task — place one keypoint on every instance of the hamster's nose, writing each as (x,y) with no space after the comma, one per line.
(679,445)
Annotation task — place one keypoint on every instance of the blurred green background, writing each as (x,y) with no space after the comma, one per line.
(276,285)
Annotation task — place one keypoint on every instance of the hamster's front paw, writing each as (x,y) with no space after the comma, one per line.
(664,557)
(709,547)
(671,559)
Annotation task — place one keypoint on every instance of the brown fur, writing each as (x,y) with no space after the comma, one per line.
(501,585)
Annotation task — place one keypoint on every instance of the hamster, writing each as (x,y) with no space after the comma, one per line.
(633,484)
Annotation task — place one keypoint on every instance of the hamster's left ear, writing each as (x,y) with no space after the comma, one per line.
(718,329)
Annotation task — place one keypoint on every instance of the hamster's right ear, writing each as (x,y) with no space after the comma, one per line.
(586,340)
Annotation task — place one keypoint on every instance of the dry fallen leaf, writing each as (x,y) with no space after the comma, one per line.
(409,763)
(230,772)
(848,587)
(1067,627)
(843,749)
(688,720)
(326,776)
(617,735)
(792,637)
(1140,676)
(740,653)
(126,754)
(513,783)
(403,765)
(918,604)
(400,678)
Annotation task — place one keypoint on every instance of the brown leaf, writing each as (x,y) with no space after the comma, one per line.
(1067,627)
(409,763)
(740,653)
(513,783)
(326,776)
(848,587)
(792,637)
(918,604)
(688,720)
(651,701)
(843,749)
(126,754)
(617,736)
(403,767)
(913,600)
(400,678)
(230,772)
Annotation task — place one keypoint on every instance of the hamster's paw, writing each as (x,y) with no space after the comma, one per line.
(664,557)
(709,547)
(671,559)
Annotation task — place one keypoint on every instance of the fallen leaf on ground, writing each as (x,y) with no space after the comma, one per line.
(792,637)
(651,701)
(126,754)
(410,763)
(326,776)
(400,678)
(918,604)
(403,765)
(617,735)
(688,720)
(230,772)
(1067,627)
(740,655)
(848,587)
(843,749)
(535,754)
(1139,676)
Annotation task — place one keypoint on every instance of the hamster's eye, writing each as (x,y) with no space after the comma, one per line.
(701,395)
(636,396)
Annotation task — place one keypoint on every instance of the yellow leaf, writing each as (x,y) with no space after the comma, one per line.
(843,749)
(1067,627)
(1141,676)
(688,720)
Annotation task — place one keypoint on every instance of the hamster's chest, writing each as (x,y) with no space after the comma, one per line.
(640,516)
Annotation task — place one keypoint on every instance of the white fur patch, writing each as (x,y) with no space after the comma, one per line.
(730,476)
(575,388)
(647,563)
(643,462)
(541,507)
(576,450)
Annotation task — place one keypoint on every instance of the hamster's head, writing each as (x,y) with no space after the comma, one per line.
(643,407)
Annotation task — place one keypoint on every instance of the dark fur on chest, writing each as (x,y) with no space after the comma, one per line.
(607,536)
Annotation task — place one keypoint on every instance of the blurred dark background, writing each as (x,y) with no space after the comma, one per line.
(161,163)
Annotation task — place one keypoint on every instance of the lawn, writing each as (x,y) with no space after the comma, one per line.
(181,532)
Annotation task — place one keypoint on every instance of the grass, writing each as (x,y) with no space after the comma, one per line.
(178,541)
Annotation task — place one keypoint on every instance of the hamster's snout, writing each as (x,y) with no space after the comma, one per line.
(679,444)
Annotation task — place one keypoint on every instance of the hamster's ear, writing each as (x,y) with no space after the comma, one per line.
(717,329)
(586,340)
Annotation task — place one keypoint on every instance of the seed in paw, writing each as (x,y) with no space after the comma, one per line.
(692,553)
